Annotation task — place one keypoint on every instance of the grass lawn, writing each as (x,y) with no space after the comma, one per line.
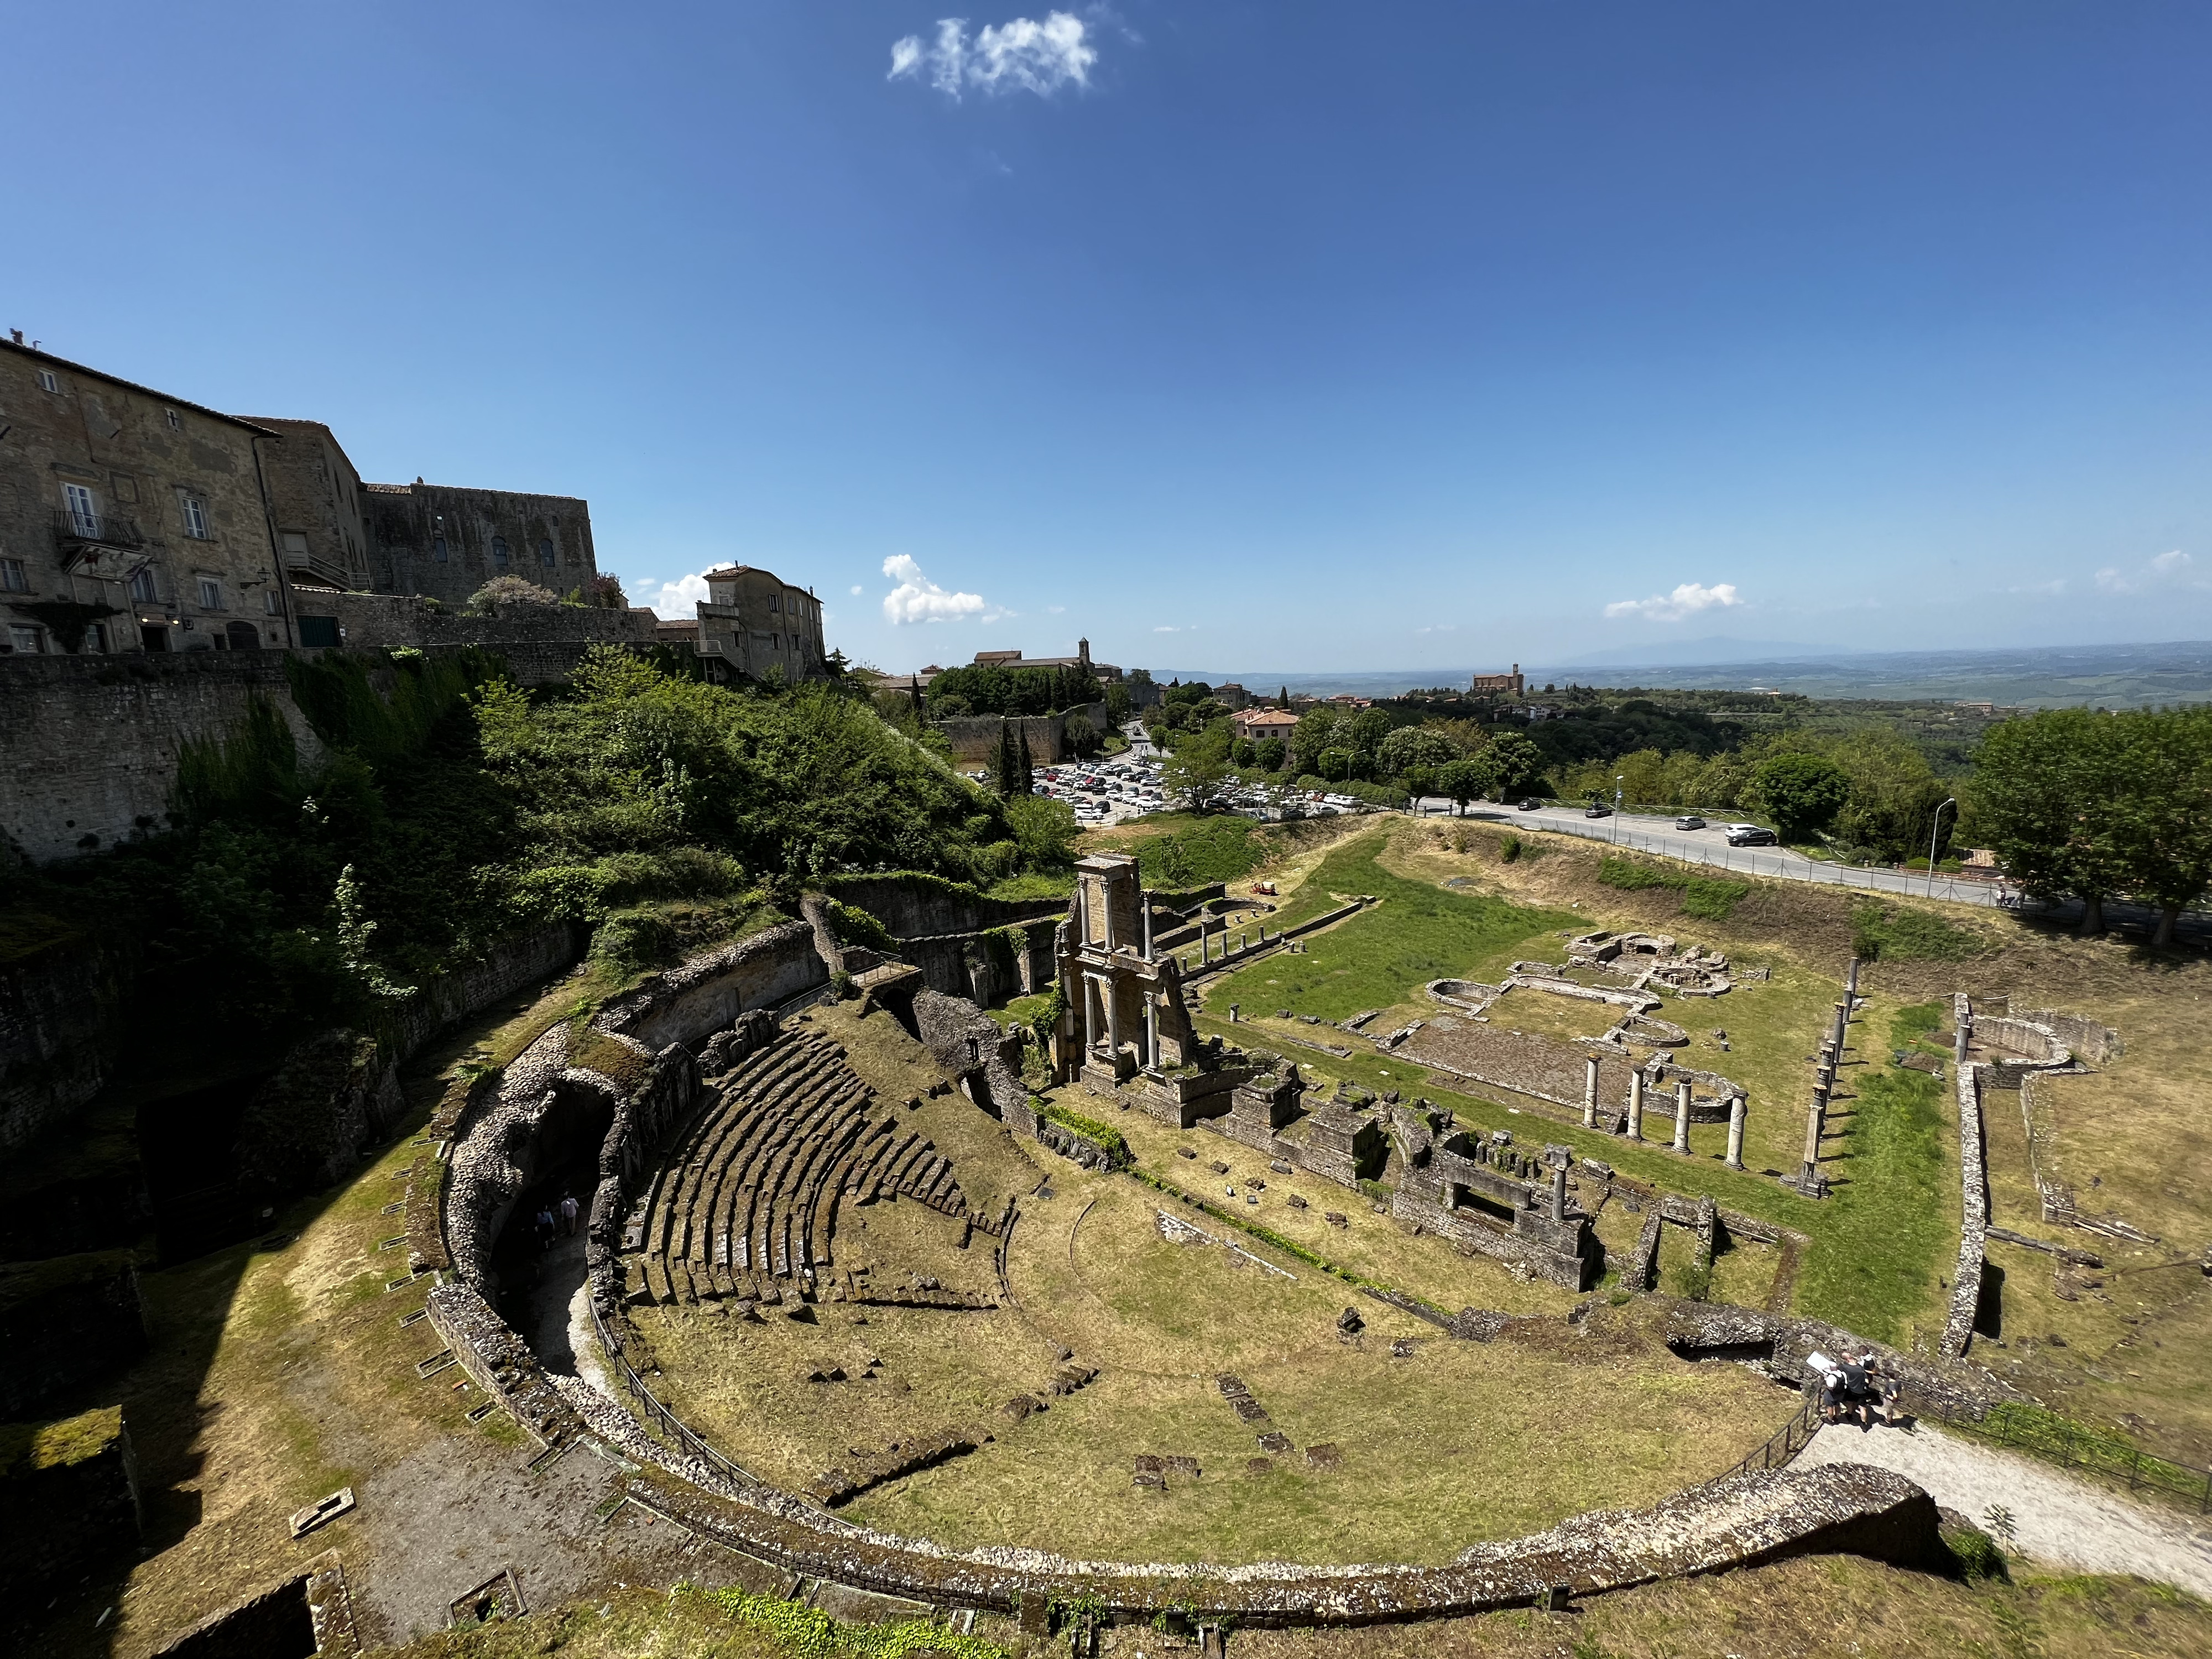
(1880,1244)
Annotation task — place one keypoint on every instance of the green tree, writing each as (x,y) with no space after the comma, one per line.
(1802,794)
(1336,764)
(1045,830)
(1510,766)
(2047,791)
(1309,737)
(1463,781)
(2163,819)
(1198,770)
(1267,754)
(1118,704)
(1411,746)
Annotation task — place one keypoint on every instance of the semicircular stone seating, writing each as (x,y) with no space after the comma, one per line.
(746,1202)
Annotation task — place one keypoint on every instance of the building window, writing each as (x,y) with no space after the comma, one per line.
(95,638)
(438,548)
(210,593)
(772,604)
(319,633)
(271,604)
(176,421)
(13,577)
(83,511)
(142,584)
(46,383)
(25,640)
(499,551)
(295,544)
(196,520)
(545,553)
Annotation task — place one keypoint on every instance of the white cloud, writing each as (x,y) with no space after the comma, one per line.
(1170,628)
(2170,569)
(2050,590)
(856,590)
(918,599)
(1054,610)
(1439,627)
(1021,55)
(680,598)
(1686,600)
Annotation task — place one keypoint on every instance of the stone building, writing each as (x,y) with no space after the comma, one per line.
(444,542)
(315,500)
(753,621)
(1125,1012)
(129,519)
(1258,724)
(1496,684)
(1104,673)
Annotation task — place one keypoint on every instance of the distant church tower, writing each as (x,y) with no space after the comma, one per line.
(1083,654)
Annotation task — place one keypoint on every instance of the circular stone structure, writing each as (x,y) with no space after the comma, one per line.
(853,1324)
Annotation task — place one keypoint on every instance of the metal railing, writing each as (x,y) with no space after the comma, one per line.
(657,1417)
(1785,1443)
(2069,1444)
(76,529)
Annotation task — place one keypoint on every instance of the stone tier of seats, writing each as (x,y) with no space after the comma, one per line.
(745,1205)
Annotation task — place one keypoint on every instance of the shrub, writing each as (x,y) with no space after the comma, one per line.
(1510,848)
(1975,1553)
(1897,934)
(1103,1134)
(1707,897)
(509,590)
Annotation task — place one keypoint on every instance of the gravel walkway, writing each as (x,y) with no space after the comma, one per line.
(2059,1520)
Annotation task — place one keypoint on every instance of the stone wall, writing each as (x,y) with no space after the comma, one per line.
(1966,1283)
(63,1321)
(69,1500)
(58,1002)
(975,737)
(377,621)
(335,1094)
(707,993)
(446,540)
(88,745)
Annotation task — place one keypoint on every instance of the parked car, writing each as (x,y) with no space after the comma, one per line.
(1597,809)
(1532,804)
(1749,835)
(1689,821)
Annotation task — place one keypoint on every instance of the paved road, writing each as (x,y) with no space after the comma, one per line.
(1642,834)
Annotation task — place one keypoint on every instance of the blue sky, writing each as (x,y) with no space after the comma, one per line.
(1233,335)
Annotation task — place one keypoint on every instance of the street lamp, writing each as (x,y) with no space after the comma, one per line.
(1617,778)
(1932,829)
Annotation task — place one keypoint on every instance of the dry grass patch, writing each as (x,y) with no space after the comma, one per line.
(1823,1608)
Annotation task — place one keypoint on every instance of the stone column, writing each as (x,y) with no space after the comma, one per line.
(1682,1114)
(1106,916)
(1590,1092)
(1735,1133)
(1152,1028)
(1112,1021)
(1202,936)
(1559,1195)
(1815,1115)
(1145,898)
(1089,983)
(1636,1103)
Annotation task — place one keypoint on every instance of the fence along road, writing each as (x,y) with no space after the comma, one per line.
(1634,832)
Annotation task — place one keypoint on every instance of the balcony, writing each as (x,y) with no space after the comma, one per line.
(80,532)
(306,570)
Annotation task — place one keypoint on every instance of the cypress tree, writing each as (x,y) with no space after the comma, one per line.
(1027,764)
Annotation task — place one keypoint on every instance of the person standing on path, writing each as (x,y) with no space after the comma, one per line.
(569,1214)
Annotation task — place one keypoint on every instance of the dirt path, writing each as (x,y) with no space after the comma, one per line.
(2060,1520)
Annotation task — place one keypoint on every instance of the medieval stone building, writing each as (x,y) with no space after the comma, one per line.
(753,621)
(444,542)
(129,519)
